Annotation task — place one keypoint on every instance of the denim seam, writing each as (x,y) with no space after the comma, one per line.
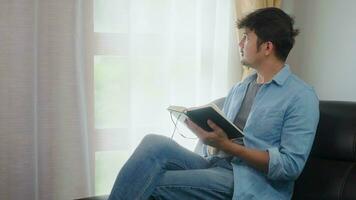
(149,182)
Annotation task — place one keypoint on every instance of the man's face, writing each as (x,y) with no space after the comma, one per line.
(250,54)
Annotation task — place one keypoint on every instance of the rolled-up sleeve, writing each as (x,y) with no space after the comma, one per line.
(287,160)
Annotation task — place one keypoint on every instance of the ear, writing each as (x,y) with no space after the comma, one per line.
(269,48)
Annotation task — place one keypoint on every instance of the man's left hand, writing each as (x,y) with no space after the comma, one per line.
(215,138)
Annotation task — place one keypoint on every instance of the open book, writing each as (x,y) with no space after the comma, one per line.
(200,116)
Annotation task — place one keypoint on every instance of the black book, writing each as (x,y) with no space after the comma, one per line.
(200,116)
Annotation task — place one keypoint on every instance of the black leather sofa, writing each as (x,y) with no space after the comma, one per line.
(330,172)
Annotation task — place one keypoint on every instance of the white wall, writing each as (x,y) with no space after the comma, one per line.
(325,51)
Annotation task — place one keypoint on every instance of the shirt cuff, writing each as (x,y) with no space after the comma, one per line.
(274,166)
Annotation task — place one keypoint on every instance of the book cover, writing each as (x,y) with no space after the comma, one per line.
(200,116)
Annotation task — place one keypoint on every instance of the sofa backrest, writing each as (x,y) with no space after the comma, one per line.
(330,172)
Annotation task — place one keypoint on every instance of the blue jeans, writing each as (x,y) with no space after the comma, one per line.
(161,169)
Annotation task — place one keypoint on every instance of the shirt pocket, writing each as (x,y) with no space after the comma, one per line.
(267,123)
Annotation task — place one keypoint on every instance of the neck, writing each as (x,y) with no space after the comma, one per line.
(267,70)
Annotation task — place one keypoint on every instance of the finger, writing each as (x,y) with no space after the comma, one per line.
(196,129)
(195,126)
(189,124)
(214,126)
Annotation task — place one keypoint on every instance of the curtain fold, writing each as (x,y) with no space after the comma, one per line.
(43,138)
(17,169)
(243,7)
(63,162)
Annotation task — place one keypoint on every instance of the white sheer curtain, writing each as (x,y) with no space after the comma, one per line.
(158,53)
(161,52)
(43,133)
(82,81)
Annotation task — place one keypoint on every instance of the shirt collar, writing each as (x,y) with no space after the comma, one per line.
(283,74)
(280,78)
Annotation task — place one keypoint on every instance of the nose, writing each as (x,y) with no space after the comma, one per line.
(241,43)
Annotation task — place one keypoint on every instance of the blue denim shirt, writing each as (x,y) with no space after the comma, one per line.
(282,121)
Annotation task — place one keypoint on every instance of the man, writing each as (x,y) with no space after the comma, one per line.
(277,111)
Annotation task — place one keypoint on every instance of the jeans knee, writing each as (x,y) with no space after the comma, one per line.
(153,139)
(156,144)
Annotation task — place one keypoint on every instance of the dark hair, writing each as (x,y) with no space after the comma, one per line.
(274,25)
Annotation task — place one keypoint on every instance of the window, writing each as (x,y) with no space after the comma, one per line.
(147,55)
(128,60)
